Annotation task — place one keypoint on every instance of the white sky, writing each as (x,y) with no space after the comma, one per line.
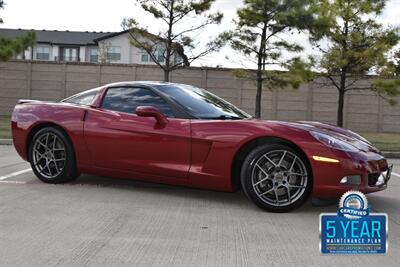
(101,15)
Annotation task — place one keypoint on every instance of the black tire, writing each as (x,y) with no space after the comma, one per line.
(260,171)
(64,171)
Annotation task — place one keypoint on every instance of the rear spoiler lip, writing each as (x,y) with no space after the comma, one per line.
(25,101)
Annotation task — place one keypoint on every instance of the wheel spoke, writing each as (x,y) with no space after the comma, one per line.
(262,180)
(277,197)
(42,168)
(48,168)
(273,163)
(297,174)
(288,193)
(291,166)
(296,186)
(283,156)
(57,169)
(54,143)
(258,166)
(38,154)
(40,143)
(268,191)
(38,162)
(47,141)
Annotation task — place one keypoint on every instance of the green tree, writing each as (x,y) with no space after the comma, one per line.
(394,65)
(174,47)
(11,47)
(354,44)
(260,35)
(386,82)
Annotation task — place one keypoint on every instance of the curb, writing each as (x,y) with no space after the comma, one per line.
(7,142)
(392,155)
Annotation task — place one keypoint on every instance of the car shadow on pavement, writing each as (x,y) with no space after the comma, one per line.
(233,200)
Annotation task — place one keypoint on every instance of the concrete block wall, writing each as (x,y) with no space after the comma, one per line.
(54,81)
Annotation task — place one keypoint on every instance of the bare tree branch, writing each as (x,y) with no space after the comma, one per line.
(333,81)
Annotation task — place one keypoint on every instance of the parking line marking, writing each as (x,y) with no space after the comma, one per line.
(396,174)
(12,182)
(7,176)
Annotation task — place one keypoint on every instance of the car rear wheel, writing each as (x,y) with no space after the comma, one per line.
(276,178)
(52,157)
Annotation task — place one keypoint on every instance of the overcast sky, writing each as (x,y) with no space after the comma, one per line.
(101,15)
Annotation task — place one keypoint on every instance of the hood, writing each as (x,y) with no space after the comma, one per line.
(348,136)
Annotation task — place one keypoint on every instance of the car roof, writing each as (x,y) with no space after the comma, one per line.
(143,83)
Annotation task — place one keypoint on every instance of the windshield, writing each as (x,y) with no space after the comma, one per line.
(202,104)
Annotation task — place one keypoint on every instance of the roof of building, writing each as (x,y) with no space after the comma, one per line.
(110,35)
(77,38)
(58,37)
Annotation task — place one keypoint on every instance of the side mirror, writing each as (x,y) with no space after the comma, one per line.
(149,111)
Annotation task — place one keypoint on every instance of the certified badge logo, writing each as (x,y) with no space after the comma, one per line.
(353,229)
(353,205)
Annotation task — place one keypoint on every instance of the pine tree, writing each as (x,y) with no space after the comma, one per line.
(172,44)
(354,44)
(260,35)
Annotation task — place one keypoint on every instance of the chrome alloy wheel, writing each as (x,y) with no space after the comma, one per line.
(279,177)
(49,156)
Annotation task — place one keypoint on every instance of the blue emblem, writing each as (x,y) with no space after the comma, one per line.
(353,229)
(353,205)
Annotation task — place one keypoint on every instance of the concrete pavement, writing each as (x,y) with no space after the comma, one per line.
(99,221)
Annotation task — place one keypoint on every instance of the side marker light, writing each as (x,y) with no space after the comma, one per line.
(324,159)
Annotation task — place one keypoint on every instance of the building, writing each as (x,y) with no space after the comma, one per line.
(93,47)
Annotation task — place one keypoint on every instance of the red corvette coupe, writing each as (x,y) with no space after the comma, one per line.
(184,135)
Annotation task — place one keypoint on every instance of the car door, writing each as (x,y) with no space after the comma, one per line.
(119,139)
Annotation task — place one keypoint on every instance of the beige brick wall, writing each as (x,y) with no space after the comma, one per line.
(54,81)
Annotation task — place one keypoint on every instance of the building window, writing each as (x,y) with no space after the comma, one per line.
(94,55)
(145,57)
(69,54)
(114,53)
(42,53)
(160,57)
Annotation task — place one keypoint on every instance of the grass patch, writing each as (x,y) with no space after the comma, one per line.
(384,141)
(5,127)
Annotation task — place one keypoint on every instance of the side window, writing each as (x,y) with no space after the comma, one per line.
(85,99)
(127,99)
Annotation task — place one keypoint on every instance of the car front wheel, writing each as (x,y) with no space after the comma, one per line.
(276,177)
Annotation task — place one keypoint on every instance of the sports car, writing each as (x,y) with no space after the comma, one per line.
(184,135)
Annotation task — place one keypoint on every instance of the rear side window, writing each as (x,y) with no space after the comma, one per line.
(127,99)
(85,98)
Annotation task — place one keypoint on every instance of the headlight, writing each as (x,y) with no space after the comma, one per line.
(333,142)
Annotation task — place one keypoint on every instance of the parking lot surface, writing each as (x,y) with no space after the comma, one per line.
(98,221)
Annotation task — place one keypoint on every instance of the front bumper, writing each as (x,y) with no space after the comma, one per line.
(371,169)
(379,179)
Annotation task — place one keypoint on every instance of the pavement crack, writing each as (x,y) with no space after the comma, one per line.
(85,253)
